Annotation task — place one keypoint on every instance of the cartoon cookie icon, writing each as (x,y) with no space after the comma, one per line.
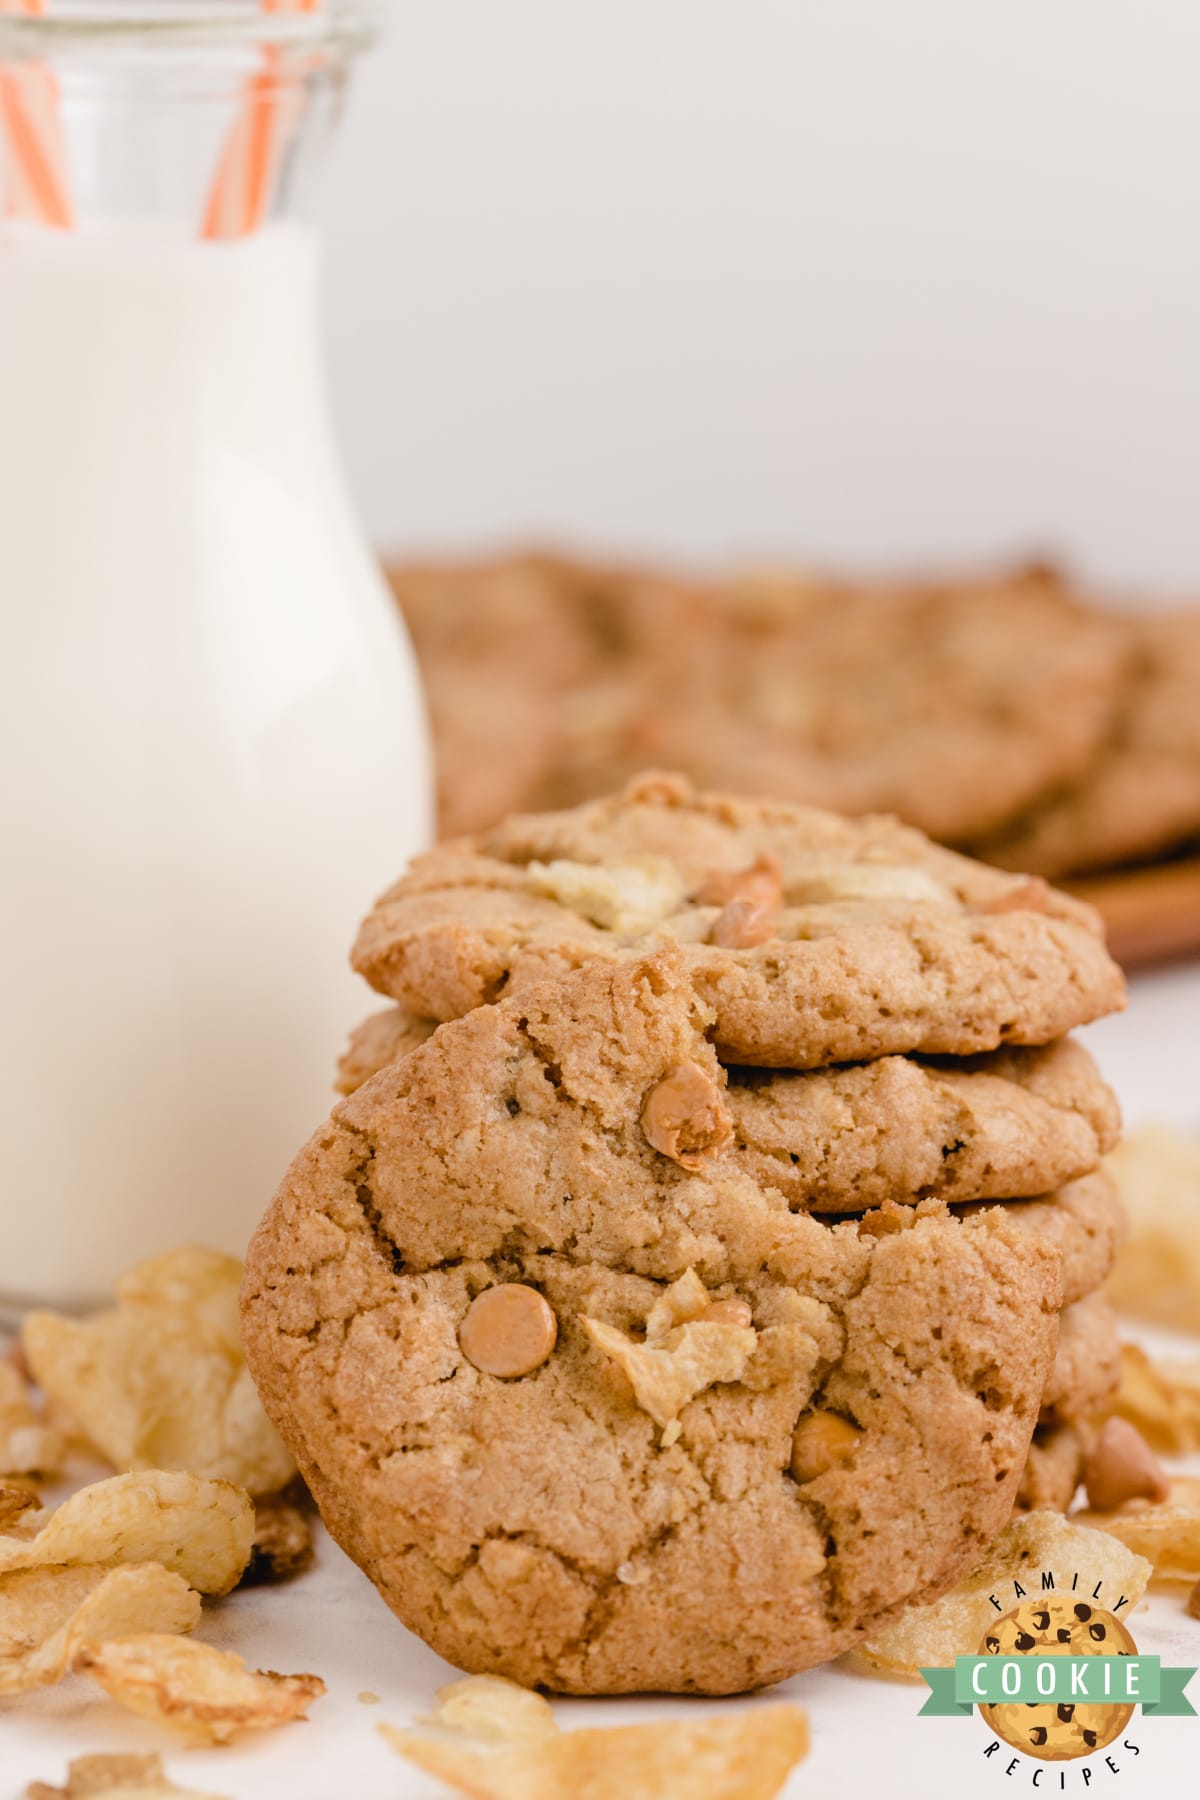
(1057,1625)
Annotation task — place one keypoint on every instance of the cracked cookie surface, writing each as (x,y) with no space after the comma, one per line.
(756,1433)
(1012,1123)
(816,939)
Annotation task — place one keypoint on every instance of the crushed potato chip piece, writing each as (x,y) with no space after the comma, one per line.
(743,1755)
(872,881)
(47,1613)
(15,1501)
(28,1446)
(1166,1531)
(160,1380)
(666,1375)
(683,1300)
(1157,1273)
(115,1778)
(210,1694)
(488,1706)
(200,1529)
(932,1636)
(283,1542)
(624,897)
(1161,1398)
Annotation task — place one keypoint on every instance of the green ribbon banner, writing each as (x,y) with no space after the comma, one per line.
(1086,1680)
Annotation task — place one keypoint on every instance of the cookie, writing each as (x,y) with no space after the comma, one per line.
(1085,1221)
(592,1408)
(1140,796)
(1016,1122)
(1087,1362)
(816,939)
(382,1038)
(948,703)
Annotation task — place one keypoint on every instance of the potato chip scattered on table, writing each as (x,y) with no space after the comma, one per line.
(1160,1397)
(209,1694)
(47,1613)
(28,1445)
(200,1529)
(742,1755)
(15,1502)
(488,1706)
(283,1542)
(932,1636)
(1167,1532)
(115,1778)
(1157,1274)
(160,1380)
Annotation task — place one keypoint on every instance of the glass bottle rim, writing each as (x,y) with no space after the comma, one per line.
(346,25)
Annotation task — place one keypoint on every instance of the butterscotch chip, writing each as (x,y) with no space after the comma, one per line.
(729,1312)
(508,1331)
(685,1116)
(1032,895)
(1121,1466)
(743,924)
(822,1441)
(761,884)
(1193,1602)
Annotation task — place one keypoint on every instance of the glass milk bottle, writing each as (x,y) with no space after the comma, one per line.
(212,746)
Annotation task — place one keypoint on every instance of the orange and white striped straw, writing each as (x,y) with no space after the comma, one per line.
(36,162)
(237,202)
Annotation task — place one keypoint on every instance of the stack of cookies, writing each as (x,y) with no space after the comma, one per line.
(705,1260)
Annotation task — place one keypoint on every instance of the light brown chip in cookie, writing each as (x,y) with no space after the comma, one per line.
(542,1526)
(883,943)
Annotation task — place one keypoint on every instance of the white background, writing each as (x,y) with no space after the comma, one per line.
(856,279)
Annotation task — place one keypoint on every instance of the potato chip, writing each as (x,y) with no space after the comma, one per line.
(47,1613)
(115,1778)
(1157,1274)
(283,1543)
(1166,1531)
(160,1381)
(15,1501)
(666,1375)
(28,1445)
(488,1706)
(932,1636)
(209,1694)
(742,1755)
(1161,1398)
(200,1529)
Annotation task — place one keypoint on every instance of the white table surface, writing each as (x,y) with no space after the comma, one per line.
(867,1738)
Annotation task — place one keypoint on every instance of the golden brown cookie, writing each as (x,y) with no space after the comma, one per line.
(1016,1122)
(881,941)
(1085,1221)
(1054,1467)
(1140,795)
(1087,1362)
(752,1433)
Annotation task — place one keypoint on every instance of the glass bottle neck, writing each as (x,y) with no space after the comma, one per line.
(183,136)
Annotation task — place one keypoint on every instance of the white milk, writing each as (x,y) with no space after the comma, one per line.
(213,747)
